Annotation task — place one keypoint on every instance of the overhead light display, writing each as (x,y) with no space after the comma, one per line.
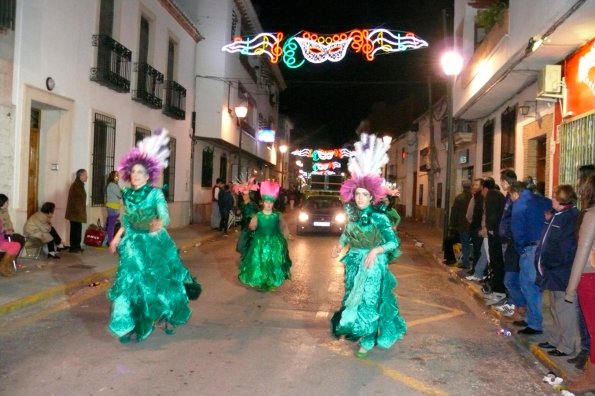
(319,48)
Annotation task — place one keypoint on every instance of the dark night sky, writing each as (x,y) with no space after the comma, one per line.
(327,101)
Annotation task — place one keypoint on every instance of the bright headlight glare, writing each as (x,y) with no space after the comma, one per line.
(303,217)
(340,218)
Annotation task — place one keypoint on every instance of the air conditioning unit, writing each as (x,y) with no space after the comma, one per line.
(549,82)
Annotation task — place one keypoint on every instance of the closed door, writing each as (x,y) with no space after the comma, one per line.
(32,182)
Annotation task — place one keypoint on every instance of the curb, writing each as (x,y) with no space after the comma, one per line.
(45,294)
(542,356)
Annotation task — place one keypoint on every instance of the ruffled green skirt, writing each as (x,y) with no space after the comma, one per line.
(266,263)
(149,285)
(370,312)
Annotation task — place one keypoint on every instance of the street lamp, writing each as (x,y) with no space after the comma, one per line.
(241,112)
(283,150)
(452,64)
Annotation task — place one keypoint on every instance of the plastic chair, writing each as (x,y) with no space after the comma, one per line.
(32,248)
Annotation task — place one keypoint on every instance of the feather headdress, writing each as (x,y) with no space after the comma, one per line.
(365,167)
(269,190)
(152,153)
(244,186)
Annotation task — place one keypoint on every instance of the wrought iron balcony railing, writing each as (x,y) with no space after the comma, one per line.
(7,14)
(113,64)
(149,84)
(175,100)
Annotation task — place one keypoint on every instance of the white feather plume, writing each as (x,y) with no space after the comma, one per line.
(156,146)
(369,157)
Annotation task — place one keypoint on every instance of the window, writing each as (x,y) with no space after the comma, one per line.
(143,53)
(171,59)
(104,146)
(421,194)
(488,147)
(439,195)
(508,124)
(106,17)
(207,167)
(223,167)
(169,173)
(140,134)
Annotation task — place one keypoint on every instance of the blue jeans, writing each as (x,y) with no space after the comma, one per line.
(513,286)
(529,289)
(466,247)
(482,264)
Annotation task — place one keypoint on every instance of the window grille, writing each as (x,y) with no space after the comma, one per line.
(7,14)
(488,147)
(207,167)
(577,147)
(103,157)
(507,135)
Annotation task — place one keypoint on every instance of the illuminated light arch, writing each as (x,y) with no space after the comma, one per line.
(319,48)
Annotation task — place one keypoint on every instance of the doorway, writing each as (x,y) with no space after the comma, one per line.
(33,175)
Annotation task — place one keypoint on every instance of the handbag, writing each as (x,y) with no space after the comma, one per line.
(193,289)
(94,235)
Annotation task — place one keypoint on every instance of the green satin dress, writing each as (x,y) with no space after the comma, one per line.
(369,312)
(266,263)
(149,283)
(248,211)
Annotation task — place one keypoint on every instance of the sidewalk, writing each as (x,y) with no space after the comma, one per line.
(431,238)
(32,284)
(41,278)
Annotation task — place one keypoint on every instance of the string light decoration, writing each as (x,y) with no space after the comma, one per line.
(319,48)
(322,154)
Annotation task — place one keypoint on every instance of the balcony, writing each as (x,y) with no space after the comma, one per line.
(175,100)
(113,64)
(149,84)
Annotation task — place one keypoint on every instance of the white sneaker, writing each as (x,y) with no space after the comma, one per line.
(505,309)
(494,298)
(473,278)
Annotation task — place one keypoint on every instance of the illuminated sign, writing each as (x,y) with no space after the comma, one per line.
(322,166)
(265,135)
(319,48)
(322,154)
(579,75)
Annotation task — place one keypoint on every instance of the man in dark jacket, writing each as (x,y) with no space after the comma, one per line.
(459,227)
(474,214)
(493,209)
(76,210)
(225,206)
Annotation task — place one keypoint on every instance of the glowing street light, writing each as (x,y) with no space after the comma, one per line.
(452,64)
(241,111)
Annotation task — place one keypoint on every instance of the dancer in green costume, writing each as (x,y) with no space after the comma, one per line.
(369,312)
(249,208)
(266,263)
(149,285)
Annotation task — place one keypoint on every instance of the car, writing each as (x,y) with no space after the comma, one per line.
(321,213)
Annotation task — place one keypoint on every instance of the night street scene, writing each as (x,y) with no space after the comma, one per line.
(265,197)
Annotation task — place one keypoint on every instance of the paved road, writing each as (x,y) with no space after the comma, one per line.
(243,342)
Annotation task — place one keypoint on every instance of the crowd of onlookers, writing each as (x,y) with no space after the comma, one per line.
(523,246)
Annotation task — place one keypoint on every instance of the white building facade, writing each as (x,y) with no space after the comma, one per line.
(87,80)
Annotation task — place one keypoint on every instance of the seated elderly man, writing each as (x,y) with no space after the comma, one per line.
(39,226)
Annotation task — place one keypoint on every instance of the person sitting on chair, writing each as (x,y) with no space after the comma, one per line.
(10,249)
(8,229)
(39,226)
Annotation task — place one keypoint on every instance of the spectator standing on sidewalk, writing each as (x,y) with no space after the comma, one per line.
(516,306)
(494,206)
(582,282)
(474,215)
(76,210)
(225,202)
(215,215)
(112,203)
(584,172)
(459,227)
(553,257)
(528,217)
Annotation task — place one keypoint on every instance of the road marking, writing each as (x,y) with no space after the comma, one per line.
(452,312)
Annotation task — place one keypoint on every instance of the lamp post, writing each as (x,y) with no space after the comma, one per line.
(452,63)
(283,150)
(241,112)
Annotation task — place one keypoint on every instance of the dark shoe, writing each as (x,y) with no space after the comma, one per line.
(62,247)
(546,345)
(53,256)
(75,250)
(529,331)
(555,352)
(520,323)
(579,360)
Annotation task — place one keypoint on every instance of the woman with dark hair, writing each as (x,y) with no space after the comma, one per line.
(249,208)
(369,312)
(582,283)
(112,203)
(148,288)
(39,226)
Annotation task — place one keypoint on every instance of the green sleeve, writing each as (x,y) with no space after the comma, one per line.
(161,204)
(391,243)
